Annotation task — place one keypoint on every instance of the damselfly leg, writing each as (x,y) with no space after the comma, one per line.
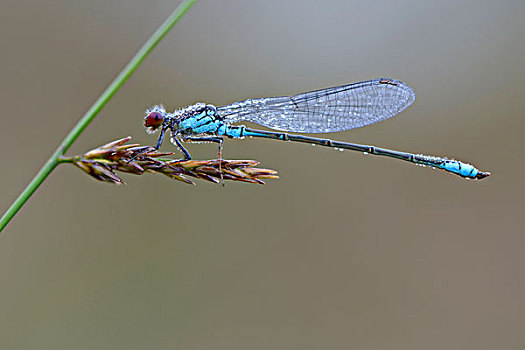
(215,139)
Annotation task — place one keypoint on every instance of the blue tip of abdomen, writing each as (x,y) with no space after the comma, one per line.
(460,168)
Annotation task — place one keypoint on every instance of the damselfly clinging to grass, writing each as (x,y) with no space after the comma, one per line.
(328,110)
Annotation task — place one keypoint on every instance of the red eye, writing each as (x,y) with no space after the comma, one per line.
(154,120)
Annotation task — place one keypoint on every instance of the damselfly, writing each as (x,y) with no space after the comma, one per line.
(323,111)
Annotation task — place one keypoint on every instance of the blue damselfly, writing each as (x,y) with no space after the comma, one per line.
(322,111)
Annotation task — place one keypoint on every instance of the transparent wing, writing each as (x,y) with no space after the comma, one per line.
(328,110)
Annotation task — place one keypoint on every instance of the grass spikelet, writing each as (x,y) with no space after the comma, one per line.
(117,156)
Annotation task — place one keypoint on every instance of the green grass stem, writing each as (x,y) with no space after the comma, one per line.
(88,117)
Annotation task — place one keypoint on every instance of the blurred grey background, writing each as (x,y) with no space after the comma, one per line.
(344,251)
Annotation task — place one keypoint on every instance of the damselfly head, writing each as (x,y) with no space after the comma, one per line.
(154,118)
